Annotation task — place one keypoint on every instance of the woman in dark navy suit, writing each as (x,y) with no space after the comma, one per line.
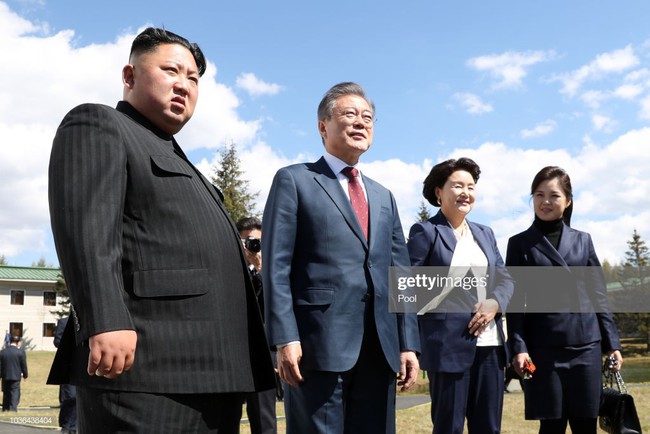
(565,344)
(460,329)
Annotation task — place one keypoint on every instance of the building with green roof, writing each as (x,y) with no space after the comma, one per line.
(28,303)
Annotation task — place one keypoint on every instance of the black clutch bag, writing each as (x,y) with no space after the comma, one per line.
(617,414)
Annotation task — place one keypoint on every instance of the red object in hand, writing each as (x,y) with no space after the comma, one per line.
(529,368)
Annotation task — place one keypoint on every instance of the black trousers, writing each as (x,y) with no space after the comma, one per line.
(260,409)
(68,410)
(10,395)
(113,412)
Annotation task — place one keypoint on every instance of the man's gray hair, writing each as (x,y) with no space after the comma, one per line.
(327,104)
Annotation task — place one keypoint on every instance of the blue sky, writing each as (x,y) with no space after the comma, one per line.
(514,85)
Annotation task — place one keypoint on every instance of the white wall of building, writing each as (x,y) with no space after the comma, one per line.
(32,314)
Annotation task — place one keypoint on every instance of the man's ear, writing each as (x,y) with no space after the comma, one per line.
(128,76)
(322,130)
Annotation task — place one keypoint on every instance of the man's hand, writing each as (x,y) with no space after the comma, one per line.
(255,259)
(518,363)
(111,353)
(288,364)
(409,367)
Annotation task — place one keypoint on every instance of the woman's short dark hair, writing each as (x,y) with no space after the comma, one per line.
(552,172)
(442,171)
(151,37)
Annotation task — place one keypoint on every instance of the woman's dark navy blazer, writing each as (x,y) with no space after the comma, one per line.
(583,316)
(446,343)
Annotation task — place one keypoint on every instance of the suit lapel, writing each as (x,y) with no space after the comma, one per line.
(446,235)
(566,241)
(330,183)
(539,241)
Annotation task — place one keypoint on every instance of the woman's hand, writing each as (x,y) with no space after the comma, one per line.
(616,354)
(518,362)
(484,312)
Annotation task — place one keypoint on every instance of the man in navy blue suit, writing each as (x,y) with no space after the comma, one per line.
(13,368)
(326,281)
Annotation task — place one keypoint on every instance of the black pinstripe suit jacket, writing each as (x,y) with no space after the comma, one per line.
(145,244)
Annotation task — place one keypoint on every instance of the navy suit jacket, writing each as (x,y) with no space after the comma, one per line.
(574,327)
(13,363)
(446,344)
(319,269)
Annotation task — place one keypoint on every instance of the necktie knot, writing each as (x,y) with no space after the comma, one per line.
(350,172)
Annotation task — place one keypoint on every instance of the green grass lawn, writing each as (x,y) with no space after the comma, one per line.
(39,401)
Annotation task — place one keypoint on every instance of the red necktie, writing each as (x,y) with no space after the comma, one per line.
(357,198)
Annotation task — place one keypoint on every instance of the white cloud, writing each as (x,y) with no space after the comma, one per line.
(628,91)
(56,69)
(640,75)
(258,163)
(616,61)
(602,122)
(509,68)
(644,112)
(473,103)
(611,189)
(216,120)
(541,129)
(256,87)
(404,180)
(594,98)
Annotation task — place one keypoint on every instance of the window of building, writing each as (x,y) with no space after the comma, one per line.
(17,297)
(48,329)
(16,329)
(49,298)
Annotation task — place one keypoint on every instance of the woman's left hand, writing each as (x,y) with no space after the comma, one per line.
(484,313)
(619,360)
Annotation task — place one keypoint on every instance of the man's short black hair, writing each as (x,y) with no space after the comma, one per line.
(14,339)
(249,224)
(151,37)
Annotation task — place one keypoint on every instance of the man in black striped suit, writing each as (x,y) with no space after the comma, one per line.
(166,333)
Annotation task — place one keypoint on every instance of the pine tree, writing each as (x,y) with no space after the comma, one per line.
(633,277)
(637,259)
(423,212)
(61,290)
(3,260)
(42,264)
(238,200)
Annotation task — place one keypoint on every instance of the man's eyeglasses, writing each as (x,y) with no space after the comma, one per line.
(351,115)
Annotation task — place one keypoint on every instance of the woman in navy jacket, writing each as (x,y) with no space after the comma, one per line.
(461,330)
(562,321)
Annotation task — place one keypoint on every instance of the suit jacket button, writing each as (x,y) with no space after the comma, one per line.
(366,297)
(369,264)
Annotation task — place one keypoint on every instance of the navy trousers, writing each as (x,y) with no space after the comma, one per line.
(476,394)
(361,400)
